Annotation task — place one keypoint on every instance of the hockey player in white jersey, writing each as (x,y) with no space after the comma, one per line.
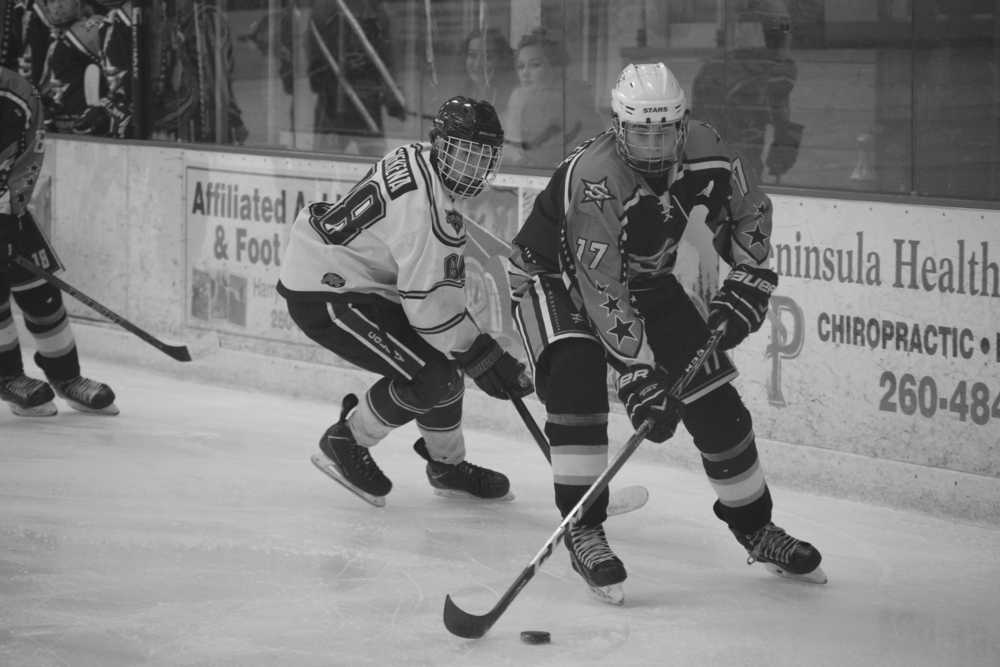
(41,304)
(378,278)
(608,225)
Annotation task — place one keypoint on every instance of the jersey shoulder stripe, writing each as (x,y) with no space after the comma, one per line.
(397,174)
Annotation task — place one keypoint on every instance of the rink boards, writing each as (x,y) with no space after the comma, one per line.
(878,366)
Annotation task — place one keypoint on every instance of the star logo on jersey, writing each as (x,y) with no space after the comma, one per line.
(611,305)
(596,192)
(756,236)
(621,330)
(454,218)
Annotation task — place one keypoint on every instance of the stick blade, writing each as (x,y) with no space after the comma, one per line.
(178,352)
(463,624)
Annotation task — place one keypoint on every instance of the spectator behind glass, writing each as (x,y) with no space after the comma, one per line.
(192,49)
(350,89)
(744,91)
(71,79)
(547,115)
(489,68)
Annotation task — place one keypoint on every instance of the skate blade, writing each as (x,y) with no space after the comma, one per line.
(110,410)
(465,495)
(44,410)
(627,500)
(817,576)
(613,594)
(331,471)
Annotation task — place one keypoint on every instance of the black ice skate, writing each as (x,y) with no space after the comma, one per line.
(350,464)
(86,395)
(782,554)
(592,558)
(27,397)
(463,480)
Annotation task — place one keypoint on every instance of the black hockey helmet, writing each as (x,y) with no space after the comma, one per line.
(467,145)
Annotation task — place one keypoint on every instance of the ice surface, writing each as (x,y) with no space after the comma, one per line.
(192,530)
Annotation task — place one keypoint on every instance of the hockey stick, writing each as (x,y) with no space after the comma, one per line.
(621,501)
(471,626)
(178,352)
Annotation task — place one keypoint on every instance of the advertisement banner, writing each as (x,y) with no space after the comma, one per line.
(238,210)
(883,337)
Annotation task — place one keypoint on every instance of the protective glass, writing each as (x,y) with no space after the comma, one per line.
(466,167)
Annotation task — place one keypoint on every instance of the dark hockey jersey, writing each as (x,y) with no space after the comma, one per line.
(398,235)
(610,232)
(21,148)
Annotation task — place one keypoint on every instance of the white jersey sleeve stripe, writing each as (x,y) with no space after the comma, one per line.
(444,326)
(422,294)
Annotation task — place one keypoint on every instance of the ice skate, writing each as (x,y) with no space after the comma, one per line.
(27,397)
(463,480)
(86,395)
(782,554)
(348,463)
(593,559)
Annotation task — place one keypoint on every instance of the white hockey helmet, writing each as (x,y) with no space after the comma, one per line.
(649,113)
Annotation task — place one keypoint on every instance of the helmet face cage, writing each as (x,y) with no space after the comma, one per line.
(466,167)
(467,145)
(651,148)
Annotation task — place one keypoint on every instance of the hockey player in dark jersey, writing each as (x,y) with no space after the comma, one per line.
(41,304)
(592,283)
(378,278)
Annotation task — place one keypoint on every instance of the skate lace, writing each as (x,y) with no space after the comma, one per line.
(591,545)
(368,468)
(20,385)
(81,388)
(772,544)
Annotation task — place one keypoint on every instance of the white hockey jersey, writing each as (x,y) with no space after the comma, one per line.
(399,235)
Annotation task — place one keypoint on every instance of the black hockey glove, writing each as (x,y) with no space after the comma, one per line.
(741,303)
(495,371)
(646,395)
(784,150)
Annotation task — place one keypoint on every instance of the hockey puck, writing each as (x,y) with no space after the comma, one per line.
(535,637)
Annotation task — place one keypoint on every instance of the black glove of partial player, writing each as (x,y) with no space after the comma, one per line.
(784,150)
(741,303)
(394,108)
(646,395)
(95,120)
(495,371)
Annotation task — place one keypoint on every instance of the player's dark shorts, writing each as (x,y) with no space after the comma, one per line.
(372,334)
(546,314)
(31,244)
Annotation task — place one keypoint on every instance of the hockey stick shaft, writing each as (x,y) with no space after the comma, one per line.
(471,626)
(532,426)
(178,352)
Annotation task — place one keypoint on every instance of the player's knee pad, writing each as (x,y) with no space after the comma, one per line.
(40,302)
(575,376)
(718,421)
(437,383)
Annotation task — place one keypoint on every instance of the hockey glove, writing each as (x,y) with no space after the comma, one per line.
(741,303)
(495,371)
(784,150)
(646,395)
